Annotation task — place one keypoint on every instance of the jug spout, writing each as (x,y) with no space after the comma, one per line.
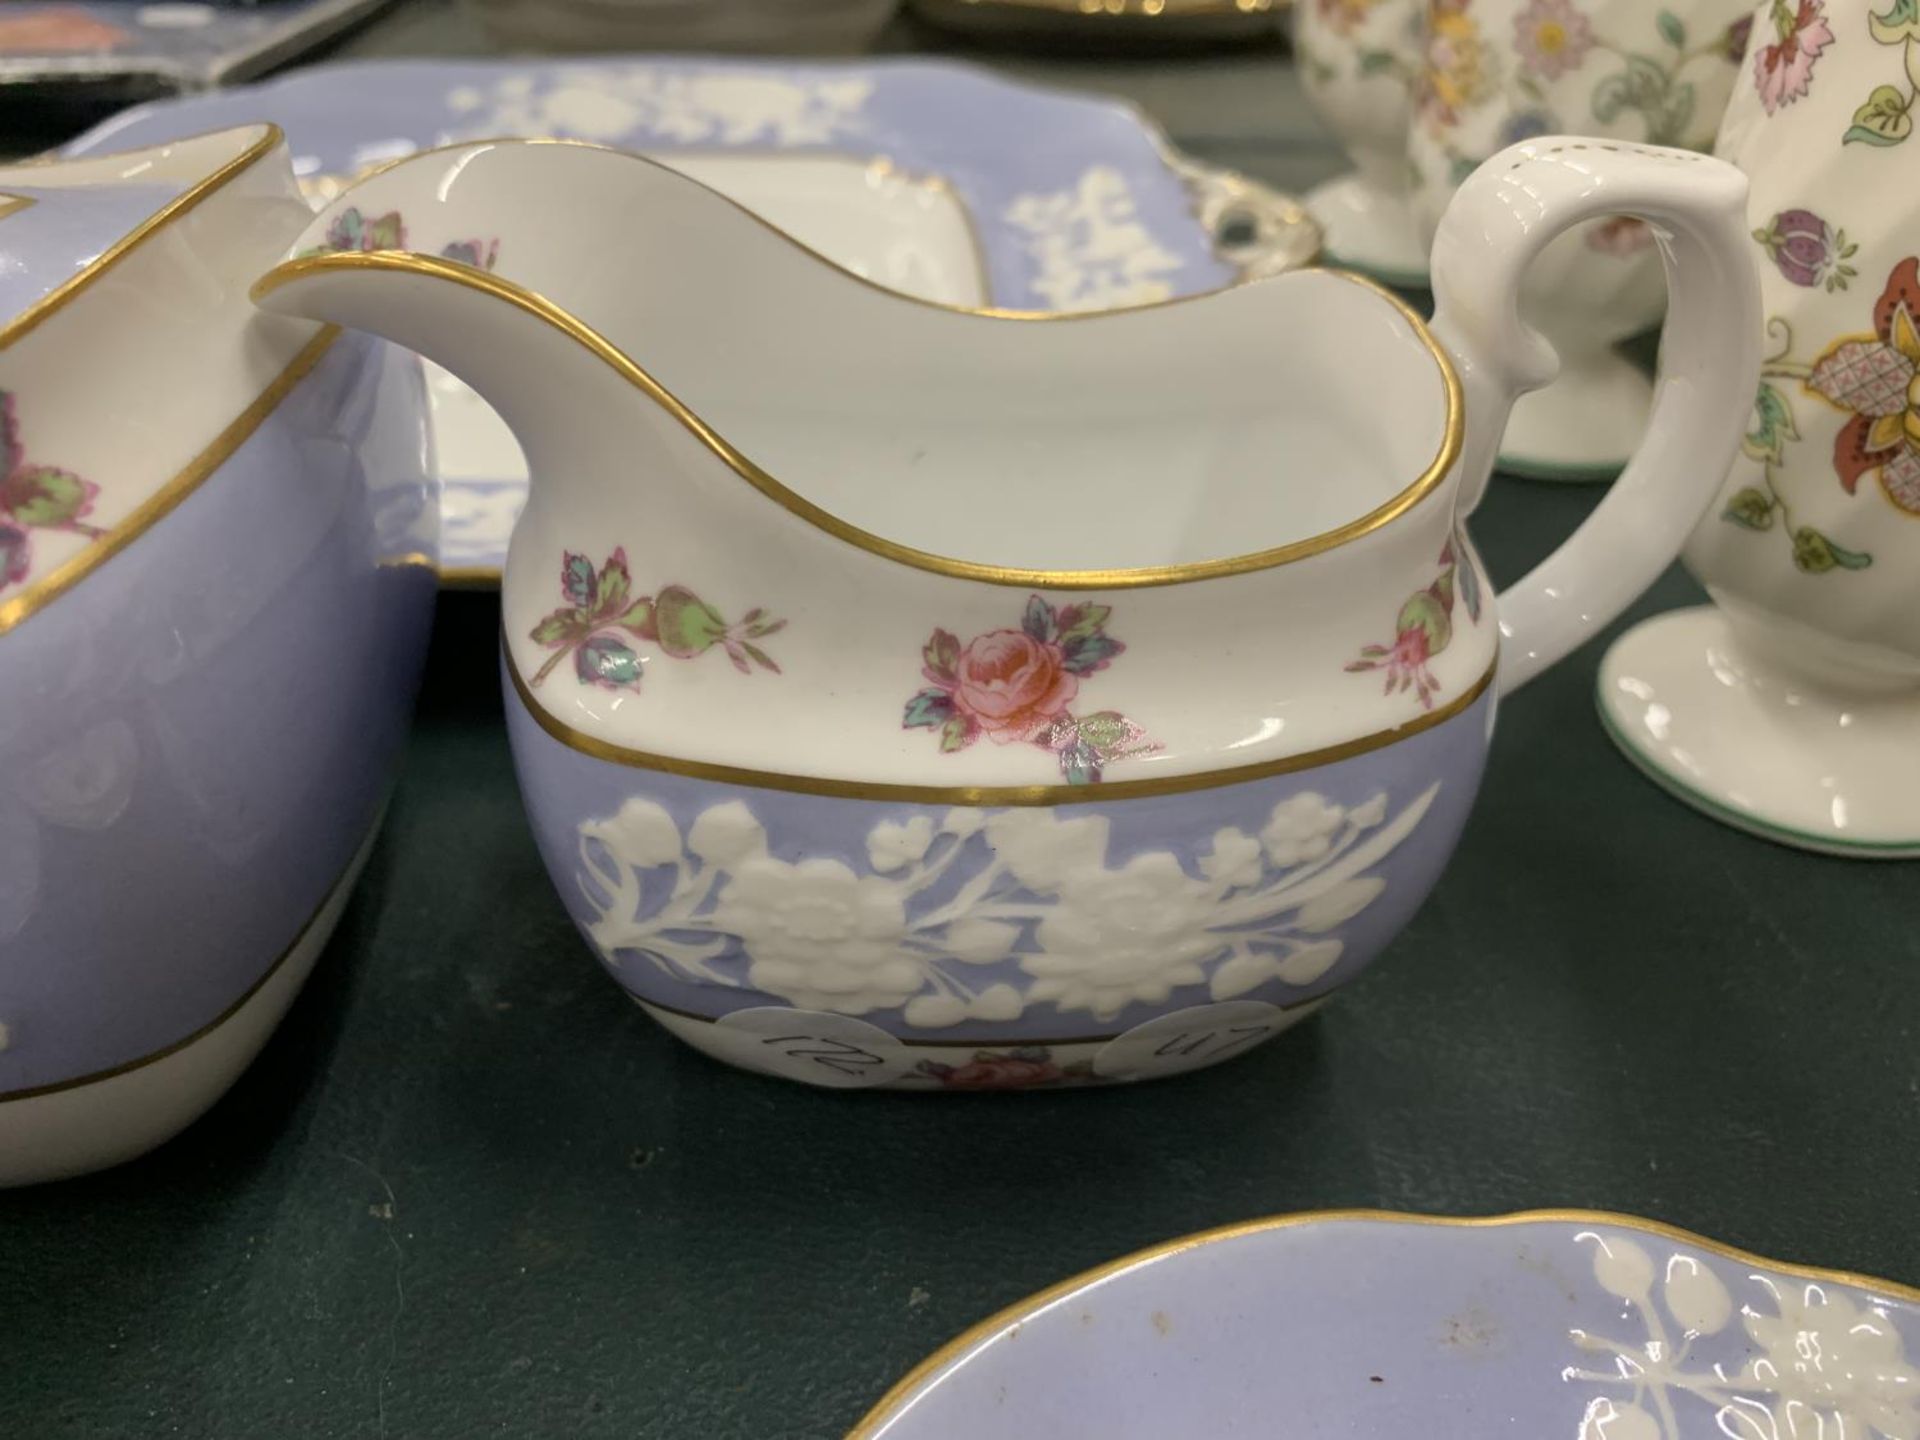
(443,301)
(519,267)
(510,345)
(607,308)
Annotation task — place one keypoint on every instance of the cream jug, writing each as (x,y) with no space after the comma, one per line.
(952,700)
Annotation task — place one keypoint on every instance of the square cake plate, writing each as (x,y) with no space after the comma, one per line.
(939,180)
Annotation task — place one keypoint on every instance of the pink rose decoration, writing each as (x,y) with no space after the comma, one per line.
(1011,685)
(1016,685)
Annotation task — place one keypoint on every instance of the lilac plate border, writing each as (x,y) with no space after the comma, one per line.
(1565,1322)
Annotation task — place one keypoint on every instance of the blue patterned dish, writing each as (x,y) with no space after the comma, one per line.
(1561,1323)
(933,178)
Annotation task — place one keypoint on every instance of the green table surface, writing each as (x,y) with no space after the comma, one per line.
(469,1189)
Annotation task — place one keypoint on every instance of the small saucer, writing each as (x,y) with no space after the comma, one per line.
(1314,1326)
(1748,745)
(1370,231)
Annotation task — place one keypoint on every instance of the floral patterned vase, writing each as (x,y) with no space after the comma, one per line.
(1357,60)
(1501,71)
(1791,707)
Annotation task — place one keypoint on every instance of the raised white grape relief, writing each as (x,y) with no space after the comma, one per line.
(977,915)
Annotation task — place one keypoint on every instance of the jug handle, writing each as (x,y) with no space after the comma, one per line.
(1497,222)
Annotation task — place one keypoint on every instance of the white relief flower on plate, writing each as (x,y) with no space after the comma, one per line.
(1090,249)
(979,916)
(1821,1365)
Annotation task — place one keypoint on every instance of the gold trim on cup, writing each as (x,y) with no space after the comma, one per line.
(1059,794)
(566,323)
(156,506)
(913,1383)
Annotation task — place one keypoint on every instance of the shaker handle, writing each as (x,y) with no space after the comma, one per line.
(1498,221)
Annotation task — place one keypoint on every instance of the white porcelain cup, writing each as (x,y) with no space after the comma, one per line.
(1501,71)
(1792,706)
